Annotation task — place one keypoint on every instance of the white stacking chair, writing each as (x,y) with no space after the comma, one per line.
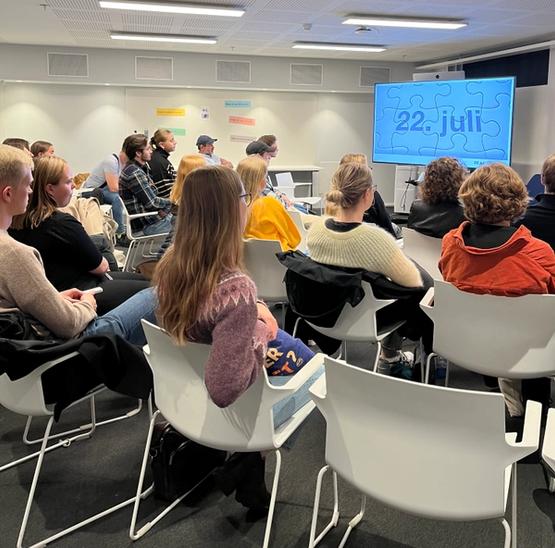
(359,323)
(509,337)
(25,396)
(434,452)
(246,425)
(286,186)
(297,217)
(266,271)
(548,450)
(423,249)
(142,248)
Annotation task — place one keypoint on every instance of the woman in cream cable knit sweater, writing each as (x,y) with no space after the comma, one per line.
(343,240)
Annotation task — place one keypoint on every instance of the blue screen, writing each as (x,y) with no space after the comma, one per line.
(417,122)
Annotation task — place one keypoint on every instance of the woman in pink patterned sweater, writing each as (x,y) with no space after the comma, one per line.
(206,297)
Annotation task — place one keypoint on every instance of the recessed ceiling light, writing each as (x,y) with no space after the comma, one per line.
(176,38)
(338,47)
(404,22)
(172,7)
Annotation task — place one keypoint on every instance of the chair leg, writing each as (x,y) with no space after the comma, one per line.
(514,507)
(507,528)
(447,368)
(313,541)
(275,484)
(91,426)
(428,363)
(377,359)
(354,522)
(296,326)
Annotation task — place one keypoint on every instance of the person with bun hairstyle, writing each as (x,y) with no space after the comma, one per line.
(487,255)
(345,241)
(438,210)
(162,171)
(376,213)
(267,217)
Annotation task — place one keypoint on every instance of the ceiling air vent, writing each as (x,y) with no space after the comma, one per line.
(373,75)
(233,71)
(153,68)
(68,64)
(306,75)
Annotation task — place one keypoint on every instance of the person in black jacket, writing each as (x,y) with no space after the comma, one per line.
(540,215)
(438,210)
(376,213)
(162,171)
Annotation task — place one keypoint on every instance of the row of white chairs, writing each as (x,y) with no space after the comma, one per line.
(379,430)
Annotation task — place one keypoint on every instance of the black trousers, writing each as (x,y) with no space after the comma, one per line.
(118,290)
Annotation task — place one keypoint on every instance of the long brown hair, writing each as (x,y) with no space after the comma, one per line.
(48,170)
(186,165)
(208,241)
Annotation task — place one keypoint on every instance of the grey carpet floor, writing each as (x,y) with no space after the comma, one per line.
(91,475)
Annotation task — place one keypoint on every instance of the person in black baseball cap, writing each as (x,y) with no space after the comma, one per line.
(205,145)
(260,148)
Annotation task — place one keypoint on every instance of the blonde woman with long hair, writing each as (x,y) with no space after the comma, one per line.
(205,296)
(267,217)
(71,259)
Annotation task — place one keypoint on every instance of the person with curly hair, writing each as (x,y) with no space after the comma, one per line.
(438,210)
(487,255)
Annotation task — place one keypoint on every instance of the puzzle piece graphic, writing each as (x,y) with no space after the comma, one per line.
(466,119)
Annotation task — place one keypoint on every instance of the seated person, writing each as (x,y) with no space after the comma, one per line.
(138,191)
(42,148)
(205,146)
(105,176)
(438,210)
(376,213)
(70,257)
(488,255)
(540,214)
(24,286)
(206,297)
(267,218)
(19,143)
(345,241)
(162,171)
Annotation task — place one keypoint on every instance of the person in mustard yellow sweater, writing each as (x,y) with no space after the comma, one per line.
(267,218)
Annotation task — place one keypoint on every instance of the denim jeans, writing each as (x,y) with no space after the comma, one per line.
(283,410)
(159,227)
(114,200)
(125,320)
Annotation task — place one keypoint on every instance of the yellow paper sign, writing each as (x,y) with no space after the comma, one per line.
(170,112)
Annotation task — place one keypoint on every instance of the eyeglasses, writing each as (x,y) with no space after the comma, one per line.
(247,198)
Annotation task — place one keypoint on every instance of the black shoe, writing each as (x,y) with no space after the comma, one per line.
(122,240)
(251,492)
(231,473)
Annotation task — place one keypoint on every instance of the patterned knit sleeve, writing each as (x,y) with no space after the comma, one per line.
(239,342)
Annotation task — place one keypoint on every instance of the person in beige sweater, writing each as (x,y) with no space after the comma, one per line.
(24,286)
(344,240)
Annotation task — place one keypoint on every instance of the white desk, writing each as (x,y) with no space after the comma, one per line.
(305,175)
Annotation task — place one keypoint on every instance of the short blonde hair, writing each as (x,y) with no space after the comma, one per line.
(548,173)
(12,162)
(442,179)
(252,171)
(348,185)
(356,157)
(493,194)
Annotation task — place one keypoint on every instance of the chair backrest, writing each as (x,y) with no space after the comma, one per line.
(285,179)
(511,337)
(427,450)
(295,214)
(534,186)
(181,396)
(358,323)
(265,269)
(425,250)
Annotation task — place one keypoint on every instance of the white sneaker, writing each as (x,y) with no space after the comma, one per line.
(402,362)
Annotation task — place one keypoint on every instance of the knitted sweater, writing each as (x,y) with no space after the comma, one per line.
(23,285)
(366,247)
(229,322)
(269,220)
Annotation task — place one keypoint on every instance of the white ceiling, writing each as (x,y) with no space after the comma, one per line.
(269,27)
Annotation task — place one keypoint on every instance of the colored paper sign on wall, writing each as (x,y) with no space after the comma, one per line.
(170,112)
(242,138)
(181,131)
(204,113)
(237,103)
(242,121)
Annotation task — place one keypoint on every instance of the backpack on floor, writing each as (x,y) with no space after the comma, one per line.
(178,464)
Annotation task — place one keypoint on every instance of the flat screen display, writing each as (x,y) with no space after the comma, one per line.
(417,122)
